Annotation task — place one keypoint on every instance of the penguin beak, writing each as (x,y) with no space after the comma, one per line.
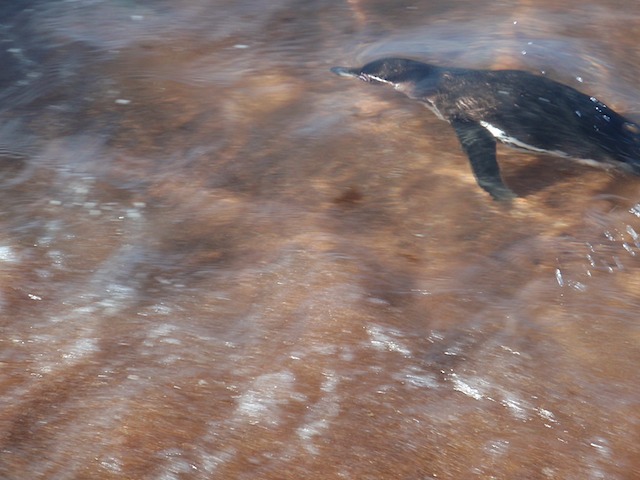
(346,72)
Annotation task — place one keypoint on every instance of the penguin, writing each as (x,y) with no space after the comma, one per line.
(517,108)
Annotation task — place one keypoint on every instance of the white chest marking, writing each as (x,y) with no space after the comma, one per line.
(381,80)
(432,106)
(502,136)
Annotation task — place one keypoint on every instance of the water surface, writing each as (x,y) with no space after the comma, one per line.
(218,260)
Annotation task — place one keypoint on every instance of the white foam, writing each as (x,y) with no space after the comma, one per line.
(381,339)
(81,348)
(464,387)
(320,414)
(261,402)
(7,254)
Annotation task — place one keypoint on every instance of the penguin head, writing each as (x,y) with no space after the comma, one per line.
(392,71)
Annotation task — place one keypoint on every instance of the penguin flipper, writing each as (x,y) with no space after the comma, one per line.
(480,147)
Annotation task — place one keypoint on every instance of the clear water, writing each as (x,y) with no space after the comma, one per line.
(218,260)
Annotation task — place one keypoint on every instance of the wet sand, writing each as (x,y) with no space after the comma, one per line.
(218,260)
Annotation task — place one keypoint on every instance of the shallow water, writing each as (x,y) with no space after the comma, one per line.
(221,261)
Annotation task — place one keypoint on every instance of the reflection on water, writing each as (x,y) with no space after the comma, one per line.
(219,261)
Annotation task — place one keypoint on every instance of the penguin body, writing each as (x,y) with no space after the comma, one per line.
(517,108)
